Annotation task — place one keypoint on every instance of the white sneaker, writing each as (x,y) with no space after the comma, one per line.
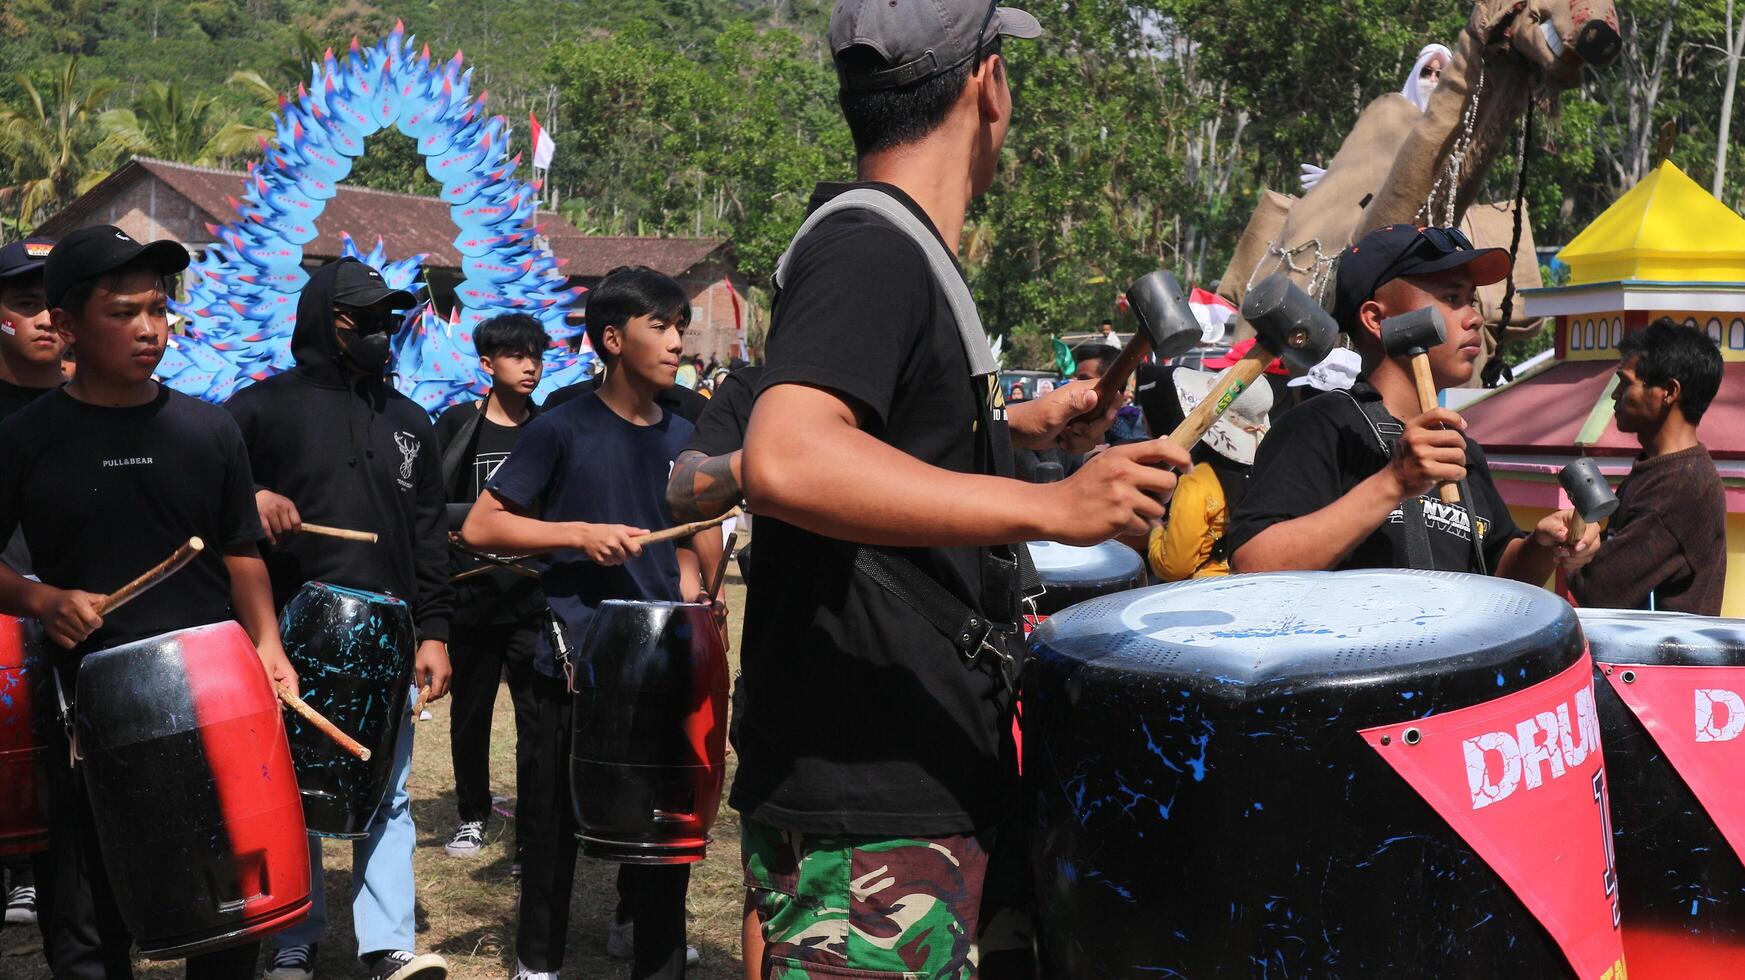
(21,905)
(293,963)
(621,943)
(468,838)
(523,973)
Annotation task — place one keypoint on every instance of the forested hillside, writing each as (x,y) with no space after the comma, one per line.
(1144,130)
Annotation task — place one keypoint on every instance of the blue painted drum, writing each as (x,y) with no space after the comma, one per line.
(1203,801)
(353,654)
(1071,574)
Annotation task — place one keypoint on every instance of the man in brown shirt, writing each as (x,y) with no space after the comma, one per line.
(1666,547)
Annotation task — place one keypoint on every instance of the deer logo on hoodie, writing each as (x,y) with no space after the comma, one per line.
(408,444)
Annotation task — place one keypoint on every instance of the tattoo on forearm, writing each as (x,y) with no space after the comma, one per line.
(701,487)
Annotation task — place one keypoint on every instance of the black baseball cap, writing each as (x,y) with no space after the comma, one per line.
(1398,251)
(25,257)
(919,39)
(96,249)
(359,285)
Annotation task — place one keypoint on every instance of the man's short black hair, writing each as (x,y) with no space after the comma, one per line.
(632,291)
(1668,351)
(880,119)
(79,290)
(510,333)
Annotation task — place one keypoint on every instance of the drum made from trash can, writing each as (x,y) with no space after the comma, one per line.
(1071,574)
(650,727)
(26,704)
(190,782)
(353,654)
(1671,694)
(1350,774)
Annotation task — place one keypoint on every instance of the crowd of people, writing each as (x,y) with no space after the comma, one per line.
(881,824)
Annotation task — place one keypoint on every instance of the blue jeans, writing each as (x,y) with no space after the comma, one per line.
(382,897)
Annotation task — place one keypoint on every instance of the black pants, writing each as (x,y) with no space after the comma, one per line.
(482,655)
(654,896)
(82,932)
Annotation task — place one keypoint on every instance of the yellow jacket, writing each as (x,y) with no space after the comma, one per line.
(1182,549)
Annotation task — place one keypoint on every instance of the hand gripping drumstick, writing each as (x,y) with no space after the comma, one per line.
(344,534)
(169,566)
(1412,335)
(1288,323)
(1590,495)
(423,699)
(321,724)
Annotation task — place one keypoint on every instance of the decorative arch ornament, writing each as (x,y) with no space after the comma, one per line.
(242,293)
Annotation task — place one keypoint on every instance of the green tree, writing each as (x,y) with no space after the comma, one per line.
(50,145)
(190,129)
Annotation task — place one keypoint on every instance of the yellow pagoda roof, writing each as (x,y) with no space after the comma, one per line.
(1665,229)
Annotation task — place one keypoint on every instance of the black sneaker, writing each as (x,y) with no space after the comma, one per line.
(400,964)
(468,839)
(21,905)
(293,963)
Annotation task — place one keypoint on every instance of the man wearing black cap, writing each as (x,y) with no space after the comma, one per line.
(30,350)
(106,476)
(331,440)
(875,745)
(1341,482)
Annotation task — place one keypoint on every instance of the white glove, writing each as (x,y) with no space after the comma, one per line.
(1310,176)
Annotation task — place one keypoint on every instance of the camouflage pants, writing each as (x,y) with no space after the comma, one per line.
(836,906)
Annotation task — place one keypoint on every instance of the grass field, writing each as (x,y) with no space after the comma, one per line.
(467,906)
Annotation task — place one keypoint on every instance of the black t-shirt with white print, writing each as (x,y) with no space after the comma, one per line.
(1318,451)
(860,716)
(104,494)
(500,597)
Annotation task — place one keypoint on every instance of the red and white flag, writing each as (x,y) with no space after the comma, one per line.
(1213,312)
(543,146)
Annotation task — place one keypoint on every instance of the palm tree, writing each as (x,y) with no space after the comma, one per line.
(49,145)
(285,75)
(162,123)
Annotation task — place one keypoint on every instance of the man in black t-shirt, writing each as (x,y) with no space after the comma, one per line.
(585,483)
(106,476)
(498,613)
(871,738)
(1340,482)
(30,349)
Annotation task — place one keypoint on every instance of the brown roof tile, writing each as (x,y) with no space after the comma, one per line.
(595,255)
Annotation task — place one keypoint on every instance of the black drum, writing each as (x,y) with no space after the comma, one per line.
(650,737)
(353,654)
(1671,691)
(1071,574)
(192,792)
(1353,774)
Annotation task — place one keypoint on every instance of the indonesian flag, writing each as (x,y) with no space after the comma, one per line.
(1213,312)
(543,147)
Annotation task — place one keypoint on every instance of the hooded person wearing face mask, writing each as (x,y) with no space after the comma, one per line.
(331,440)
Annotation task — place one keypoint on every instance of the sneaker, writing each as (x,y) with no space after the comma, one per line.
(523,973)
(621,943)
(515,871)
(468,838)
(21,905)
(400,964)
(293,963)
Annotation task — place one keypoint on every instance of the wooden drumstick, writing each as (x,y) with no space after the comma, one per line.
(344,534)
(423,699)
(721,572)
(169,566)
(321,724)
(684,530)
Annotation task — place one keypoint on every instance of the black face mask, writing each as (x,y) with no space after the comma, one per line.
(367,352)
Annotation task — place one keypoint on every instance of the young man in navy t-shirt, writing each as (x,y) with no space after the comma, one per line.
(586,481)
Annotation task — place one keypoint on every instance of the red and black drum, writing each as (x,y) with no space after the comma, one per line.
(1352,774)
(649,748)
(26,694)
(1671,692)
(353,654)
(1071,574)
(191,788)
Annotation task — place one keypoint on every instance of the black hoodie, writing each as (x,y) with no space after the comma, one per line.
(351,453)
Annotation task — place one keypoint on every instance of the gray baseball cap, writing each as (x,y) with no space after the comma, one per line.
(920,38)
